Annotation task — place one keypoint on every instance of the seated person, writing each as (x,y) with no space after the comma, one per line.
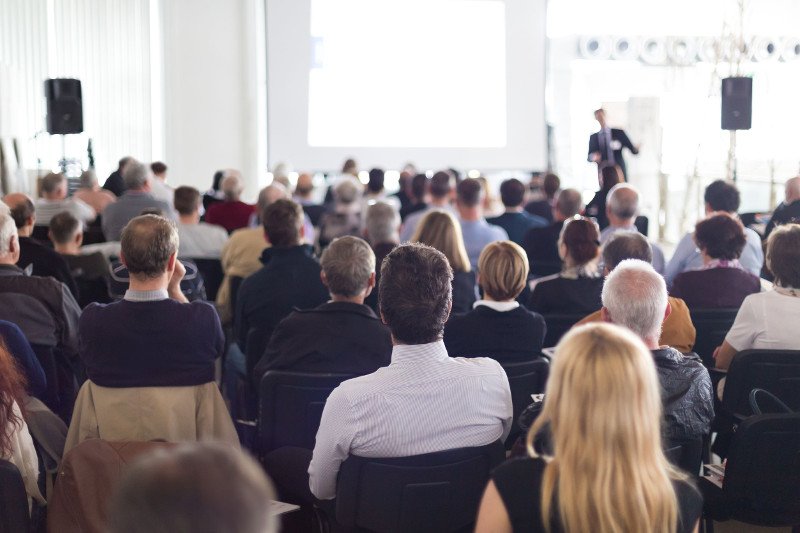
(54,200)
(541,244)
(416,187)
(231,213)
(789,210)
(610,175)
(677,330)
(199,240)
(91,272)
(345,216)
(498,326)
(577,288)
(603,387)
(622,207)
(424,401)
(721,282)
(26,362)
(441,230)
(342,335)
(153,337)
(635,297)
(303,195)
(516,221)
(543,191)
(91,193)
(477,233)
(439,192)
(382,231)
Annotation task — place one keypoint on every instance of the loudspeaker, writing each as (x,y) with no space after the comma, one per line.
(64,106)
(737,103)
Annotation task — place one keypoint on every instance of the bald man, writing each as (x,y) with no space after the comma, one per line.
(789,210)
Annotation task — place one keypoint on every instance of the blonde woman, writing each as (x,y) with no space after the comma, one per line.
(607,472)
(439,229)
(498,326)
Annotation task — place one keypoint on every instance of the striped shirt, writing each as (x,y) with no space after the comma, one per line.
(47,209)
(423,402)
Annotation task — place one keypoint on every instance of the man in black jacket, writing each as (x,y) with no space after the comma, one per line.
(342,335)
(605,146)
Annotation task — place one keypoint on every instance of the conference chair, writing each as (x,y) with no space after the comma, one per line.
(62,380)
(558,325)
(14,516)
(524,378)
(711,325)
(642,224)
(211,271)
(435,492)
(686,454)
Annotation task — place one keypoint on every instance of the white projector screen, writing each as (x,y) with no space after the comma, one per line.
(436,82)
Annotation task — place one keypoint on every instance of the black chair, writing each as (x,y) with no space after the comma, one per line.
(211,270)
(557,326)
(257,341)
(762,475)
(686,454)
(642,224)
(775,371)
(14,516)
(712,325)
(290,408)
(435,492)
(524,378)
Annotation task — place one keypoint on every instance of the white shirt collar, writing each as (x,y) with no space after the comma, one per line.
(500,307)
(146,296)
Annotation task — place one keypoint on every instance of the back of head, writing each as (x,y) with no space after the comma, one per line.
(722,195)
(231,187)
(348,262)
(88,179)
(415,293)
(193,487)
(147,243)
(158,167)
(64,227)
(441,230)
(419,183)
(792,190)
(623,201)
(123,162)
(186,200)
(268,195)
(376,178)
(283,221)
(603,386)
(552,183)
(635,296)
(8,233)
(469,192)
(783,255)
(582,239)
(136,175)
(346,192)
(305,184)
(569,203)
(503,267)
(512,193)
(350,167)
(610,175)
(720,236)
(21,208)
(382,223)
(441,184)
(52,182)
(626,245)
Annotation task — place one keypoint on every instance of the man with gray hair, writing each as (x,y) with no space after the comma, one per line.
(54,200)
(635,296)
(382,230)
(153,336)
(622,207)
(136,199)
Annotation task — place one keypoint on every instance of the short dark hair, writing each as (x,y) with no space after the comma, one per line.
(147,243)
(783,255)
(52,181)
(158,167)
(720,236)
(441,184)
(376,178)
(63,227)
(512,192)
(415,293)
(722,195)
(582,239)
(469,192)
(551,184)
(22,212)
(626,245)
(282,220)
(187,200)
(418,185)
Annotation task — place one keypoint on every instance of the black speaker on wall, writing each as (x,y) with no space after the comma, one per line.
(737,103)
(64,106)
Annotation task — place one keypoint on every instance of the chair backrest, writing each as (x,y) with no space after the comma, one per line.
(257,341)
(685,454)
(711,325)
(235,282)
(525,378)
(642,224)
(14,516)
(61,381)
(436,492)
(558,325)
(763,466)
(211,270)
(290,407)
(776,371)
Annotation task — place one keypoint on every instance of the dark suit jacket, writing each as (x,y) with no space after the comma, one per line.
(507,337)
(783,214)
(567,296)
(46,262)
(464,293)
(541,245)
(596,145)
(541,208)
(338,337)
(596,208)
(518,224)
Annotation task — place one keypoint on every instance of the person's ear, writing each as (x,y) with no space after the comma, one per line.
(383,319)
(668,310)
(31,220)
(370,285)
(171,263)
(266,237)
(122,259)
(605,315)
(323,277)
(303,231)
(79,238)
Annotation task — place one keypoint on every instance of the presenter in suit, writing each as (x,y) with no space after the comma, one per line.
(605,146)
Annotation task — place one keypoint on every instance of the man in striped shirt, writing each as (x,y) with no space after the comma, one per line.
(424,401)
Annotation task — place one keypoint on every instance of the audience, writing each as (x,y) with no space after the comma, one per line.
(440,192)
(194,487)
(342,335)
(382,231)
(541,244)
(722,282)
(158,185)
(303,195)
(544,207)
(789,210)
(345,216)
(476,231)
(214,194)
(232,213)
(152,337)
(603,413)
(416,197)
(115,183)
(137,198)
(25,359)
(424,401)
(198,240)
(54,200)
(90,192)
(376,192)
(498,326)
(516,221)
(577,288)
(441,230)
(720,196)
(609,176)
(677,330)
(34,257)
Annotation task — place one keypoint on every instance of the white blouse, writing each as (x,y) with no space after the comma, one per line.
(23,456)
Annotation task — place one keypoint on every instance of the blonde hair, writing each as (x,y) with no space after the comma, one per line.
(503,267)
(608,472)
(440,229)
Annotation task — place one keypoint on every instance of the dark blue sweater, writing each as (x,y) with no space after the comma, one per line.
(20,349)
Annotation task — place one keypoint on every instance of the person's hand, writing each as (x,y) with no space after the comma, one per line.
(174,286)
(597,157)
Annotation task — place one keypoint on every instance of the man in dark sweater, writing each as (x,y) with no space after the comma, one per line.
(153,337)
(342,335)
(516,221)
(114,182)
